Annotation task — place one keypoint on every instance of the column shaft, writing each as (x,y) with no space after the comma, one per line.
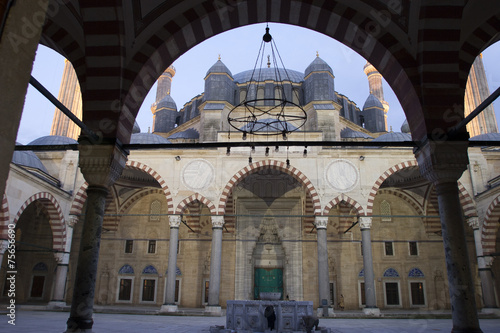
(323,275)
(172,266)
(370,299)
(463,304)
(82,304)
(485,273)
(215,267)
(60,283)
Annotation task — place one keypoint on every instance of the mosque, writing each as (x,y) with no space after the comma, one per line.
(356,226)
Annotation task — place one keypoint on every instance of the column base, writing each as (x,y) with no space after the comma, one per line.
(319,312)
(56,305)
(375,312)
(213,310)
(492,311)
(169,308)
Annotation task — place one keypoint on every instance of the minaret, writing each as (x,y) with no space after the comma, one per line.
(376,89)
(71,96)
(164,109)
(476,91)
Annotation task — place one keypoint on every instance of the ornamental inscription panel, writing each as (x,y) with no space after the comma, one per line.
(198,174)
(342,175)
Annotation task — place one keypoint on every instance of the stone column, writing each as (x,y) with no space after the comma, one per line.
(215,265)
(101,165)
(169,305)
(443,163)
(484,268)
(59,288)
(321,223)
(365,224)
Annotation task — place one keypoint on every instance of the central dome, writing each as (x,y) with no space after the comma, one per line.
(269,74)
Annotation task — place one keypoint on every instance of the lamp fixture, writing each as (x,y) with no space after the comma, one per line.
(177,158)
(264,115)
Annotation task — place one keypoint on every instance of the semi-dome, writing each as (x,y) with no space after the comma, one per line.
(147,138)
(393,136)
(51,140)
(318,65)
(27,158)
(219,67)
(269,74)
(372,102)
(190,133)
(349,133)
(486,137)
(166,102)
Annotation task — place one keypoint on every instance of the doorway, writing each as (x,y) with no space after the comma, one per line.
(268,280)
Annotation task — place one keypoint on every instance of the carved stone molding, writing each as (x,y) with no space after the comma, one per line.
(217,221)
(488,261)
(101,165)
(174,221)
(61,258)
(473,222)
(365,222)
(72,220)
(442,161)
(321,222)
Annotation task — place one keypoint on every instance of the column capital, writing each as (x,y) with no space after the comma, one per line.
(473,222)
(488,261)
(174,221)
(62,258)
(442,161)
(4,245)
(101,164)
(321,222)
(217,221)
(365,222)
(72,220)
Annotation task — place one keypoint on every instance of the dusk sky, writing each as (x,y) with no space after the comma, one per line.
(238,49)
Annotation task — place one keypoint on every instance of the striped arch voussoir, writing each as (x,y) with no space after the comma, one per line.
(490,226)
(392,170)
(275,165)
(415,205)
(56,217)
(183,204)
(346,199)
(4,218)
(125,207)
(466,201)
(159,179)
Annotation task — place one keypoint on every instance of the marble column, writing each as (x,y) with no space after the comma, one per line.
(484,267)
(442,163)
(321,223)
(215,265)
(59,288)
(100,165)
(4,245)
(169,305)
(365,224)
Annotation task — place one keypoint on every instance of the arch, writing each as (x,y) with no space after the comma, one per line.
(276,165)
(182,205)
(149,269)
(346,199)
(79,200)
(406,198)
(468,204)
(126,269)
(56,217)
(490,226)
(136,197)
(40,267)
(4,218)
(392,170)
(415,273)
(391,272)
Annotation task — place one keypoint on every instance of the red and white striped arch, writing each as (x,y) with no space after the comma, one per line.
(56,217)
(81,195)
(402,195)
(491,224)
(4,218)
(392,170)
(138,196)
(196,196)
(343,198)
(272,164)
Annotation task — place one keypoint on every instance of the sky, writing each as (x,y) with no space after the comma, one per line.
(238,49)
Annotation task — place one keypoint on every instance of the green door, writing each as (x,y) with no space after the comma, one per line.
(268,280)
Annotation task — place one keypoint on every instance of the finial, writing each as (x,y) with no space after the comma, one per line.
(317,54)
(391,128)
(219,56)
(268,61)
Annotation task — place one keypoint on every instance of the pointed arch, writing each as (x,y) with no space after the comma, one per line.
(406,198)
(276,165)
(468,204)
(56,217)
(182,205)
(490,227)
(392,170)
(343,198)
(136,197)
(4,218)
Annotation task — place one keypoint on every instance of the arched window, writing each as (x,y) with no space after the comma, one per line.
(149,282)
(392,288)
(385,209)
(417,287)
(155,210)
(40,271)
(125,284)
(260,96)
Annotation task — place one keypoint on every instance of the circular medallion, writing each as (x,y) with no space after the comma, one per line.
(198,174)
(342,175)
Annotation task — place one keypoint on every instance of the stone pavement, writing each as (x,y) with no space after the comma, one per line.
(54,322)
